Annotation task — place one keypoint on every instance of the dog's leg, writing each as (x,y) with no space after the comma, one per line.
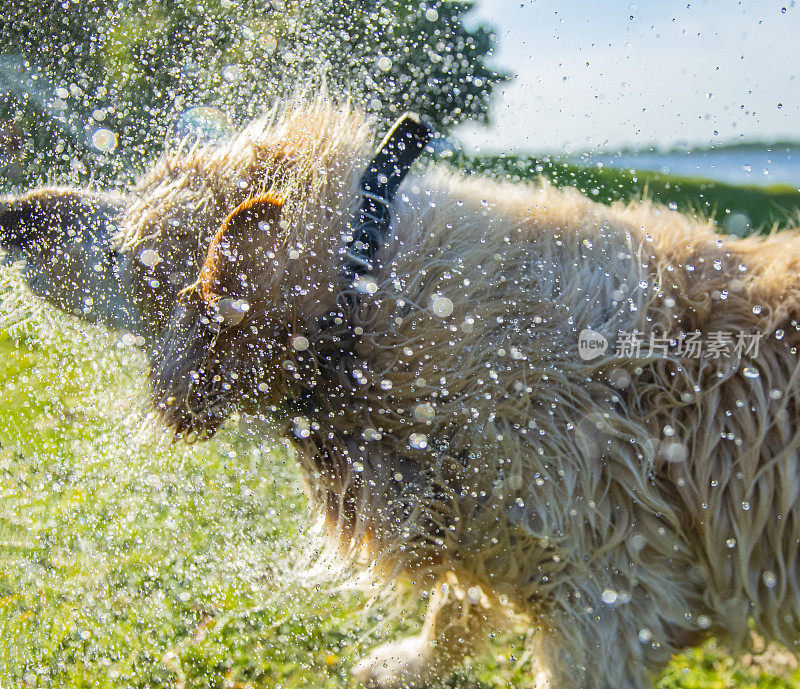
(591,644)
(452,631)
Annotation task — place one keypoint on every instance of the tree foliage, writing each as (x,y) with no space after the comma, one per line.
(92,86)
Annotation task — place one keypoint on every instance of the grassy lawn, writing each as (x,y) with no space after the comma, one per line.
(128,561)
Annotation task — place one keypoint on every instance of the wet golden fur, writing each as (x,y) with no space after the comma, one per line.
(476,446)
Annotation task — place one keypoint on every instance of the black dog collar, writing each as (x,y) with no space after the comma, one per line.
(392,160)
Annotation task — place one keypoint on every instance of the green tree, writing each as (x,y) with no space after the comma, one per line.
(399,56)
(95,86)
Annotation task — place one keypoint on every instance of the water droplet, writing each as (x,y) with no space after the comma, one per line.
(301,427)
(232,73)
(431,15)
(750,372)
(268,42)
(149,258)
(770,579)
(757,309)
(609,596)
(620,378)
(745,505)
(424,412)
(104,140)
(386,384)
(384,63)
(419,441)
(442,307)
(731,543)
(300,343)
(232,311)
(366,284)
(675,452)
(204,123)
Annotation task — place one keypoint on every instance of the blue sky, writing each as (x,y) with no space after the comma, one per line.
(605,73)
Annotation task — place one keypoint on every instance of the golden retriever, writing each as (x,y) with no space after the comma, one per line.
(523,400)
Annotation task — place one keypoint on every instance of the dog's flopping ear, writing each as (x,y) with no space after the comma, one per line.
(66,240)
(238,254)
(11,223)
(53,216)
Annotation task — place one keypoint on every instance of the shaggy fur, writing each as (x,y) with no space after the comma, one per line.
(445,425)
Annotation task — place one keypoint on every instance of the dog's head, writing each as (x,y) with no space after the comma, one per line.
(241,334)
(235,339)
(227,258)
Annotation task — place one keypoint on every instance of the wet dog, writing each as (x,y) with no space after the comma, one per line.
(518,398)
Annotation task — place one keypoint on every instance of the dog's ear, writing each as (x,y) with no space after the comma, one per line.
(47,218)
(12,217)
(239,251)
(66,240)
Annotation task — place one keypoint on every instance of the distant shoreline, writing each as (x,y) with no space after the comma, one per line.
(757,204)
(751,163)
(679,149)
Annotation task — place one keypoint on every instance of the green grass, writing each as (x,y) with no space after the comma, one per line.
(130,562)
(763,207)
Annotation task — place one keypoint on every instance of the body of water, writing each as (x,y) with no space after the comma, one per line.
(763,166)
